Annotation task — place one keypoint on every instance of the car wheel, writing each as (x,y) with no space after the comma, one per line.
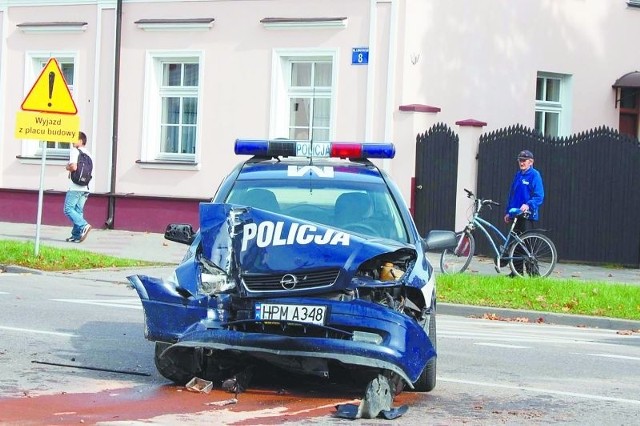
(427,380)
(173,367)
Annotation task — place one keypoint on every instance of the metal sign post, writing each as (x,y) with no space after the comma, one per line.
(40,198)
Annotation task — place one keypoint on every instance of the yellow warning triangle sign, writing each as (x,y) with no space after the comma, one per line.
(50,92)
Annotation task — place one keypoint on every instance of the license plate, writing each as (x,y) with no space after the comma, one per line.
(297,313)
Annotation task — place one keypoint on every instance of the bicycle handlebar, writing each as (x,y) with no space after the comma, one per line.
(482,202)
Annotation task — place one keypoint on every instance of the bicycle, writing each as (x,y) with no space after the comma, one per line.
(527,254)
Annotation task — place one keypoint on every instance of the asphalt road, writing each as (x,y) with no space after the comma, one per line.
(73,351)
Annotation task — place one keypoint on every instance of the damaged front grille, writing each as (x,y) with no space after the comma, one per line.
(290,281)
(292,330)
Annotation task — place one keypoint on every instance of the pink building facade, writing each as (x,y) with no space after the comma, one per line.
(164,88)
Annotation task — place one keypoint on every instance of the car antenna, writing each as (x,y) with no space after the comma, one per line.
(311,140)
(313,102)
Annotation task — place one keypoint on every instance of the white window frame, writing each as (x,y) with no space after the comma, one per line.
(281,76)
(33,64)
(152,110)
(562,107)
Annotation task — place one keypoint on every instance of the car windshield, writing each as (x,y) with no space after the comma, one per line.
(367,208)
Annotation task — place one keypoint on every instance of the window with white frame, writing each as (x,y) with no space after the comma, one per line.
(552,104)
(172,104)
(304,95)
(35,63)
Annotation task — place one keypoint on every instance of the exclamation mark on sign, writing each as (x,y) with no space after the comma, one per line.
(52,78)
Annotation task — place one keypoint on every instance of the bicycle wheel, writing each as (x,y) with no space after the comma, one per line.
(457,260)
(535,256)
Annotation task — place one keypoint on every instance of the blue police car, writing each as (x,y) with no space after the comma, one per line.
(306,260)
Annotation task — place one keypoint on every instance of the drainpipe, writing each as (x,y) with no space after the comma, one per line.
(391,80)
(114,131)
(370,101)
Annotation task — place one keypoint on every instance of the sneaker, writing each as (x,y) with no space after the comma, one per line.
(72,240)
(85,231)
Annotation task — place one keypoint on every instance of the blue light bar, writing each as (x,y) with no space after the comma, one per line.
(288,148)
(249,147)
(378,150)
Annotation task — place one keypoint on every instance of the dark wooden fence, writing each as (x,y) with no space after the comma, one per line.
(436,178)
(592,185)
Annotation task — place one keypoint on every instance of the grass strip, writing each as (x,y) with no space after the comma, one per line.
(613,300)
(21,253)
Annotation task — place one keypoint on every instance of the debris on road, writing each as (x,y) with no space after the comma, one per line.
(223,403)
(376,402)
(199,385)
(239,382)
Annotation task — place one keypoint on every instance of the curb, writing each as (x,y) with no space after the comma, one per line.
(11,269)
(539,316)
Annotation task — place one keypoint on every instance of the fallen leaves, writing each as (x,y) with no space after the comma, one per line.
(627,332)
(496,317)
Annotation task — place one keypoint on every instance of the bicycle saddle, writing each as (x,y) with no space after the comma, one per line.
(514,212)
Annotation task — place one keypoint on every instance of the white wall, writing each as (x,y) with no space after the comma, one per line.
(473,59)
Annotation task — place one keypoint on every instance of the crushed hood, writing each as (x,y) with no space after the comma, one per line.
(248,239)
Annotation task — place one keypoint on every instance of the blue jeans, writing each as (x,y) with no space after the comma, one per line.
(74,208)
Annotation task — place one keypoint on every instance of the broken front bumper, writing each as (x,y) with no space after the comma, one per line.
(357,333)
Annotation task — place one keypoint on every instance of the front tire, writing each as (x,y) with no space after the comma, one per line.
(457,260)
(180,367)
(427,380)
(536,256)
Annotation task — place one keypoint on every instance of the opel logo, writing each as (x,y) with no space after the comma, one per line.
(288,282)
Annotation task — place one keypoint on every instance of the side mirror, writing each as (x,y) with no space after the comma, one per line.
(180,233)
(440,240)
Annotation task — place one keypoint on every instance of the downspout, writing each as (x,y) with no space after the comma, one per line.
(114,131)
(373,25)
(391,80)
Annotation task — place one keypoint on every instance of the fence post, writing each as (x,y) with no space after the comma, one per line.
(408,126)
(469,139)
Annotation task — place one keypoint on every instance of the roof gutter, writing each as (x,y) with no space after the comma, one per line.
(116,101)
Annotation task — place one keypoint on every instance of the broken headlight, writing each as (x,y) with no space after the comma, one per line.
(214,280)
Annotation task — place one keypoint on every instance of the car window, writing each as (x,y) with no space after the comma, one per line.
(368,208)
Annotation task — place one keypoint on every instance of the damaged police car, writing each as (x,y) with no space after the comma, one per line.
(307,260)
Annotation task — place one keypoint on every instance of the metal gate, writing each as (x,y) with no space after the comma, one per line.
(592,189)
(436,178)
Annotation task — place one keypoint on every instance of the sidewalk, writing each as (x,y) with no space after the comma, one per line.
(127,244)
(485,266)
(153,247)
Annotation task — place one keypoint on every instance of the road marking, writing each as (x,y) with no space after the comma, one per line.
(132,303)
(2,292)
(29,330)
(633,358)
(540,390)
(518,339)
(499,345)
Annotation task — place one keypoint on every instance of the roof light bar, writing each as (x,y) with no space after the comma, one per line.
(288,148)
